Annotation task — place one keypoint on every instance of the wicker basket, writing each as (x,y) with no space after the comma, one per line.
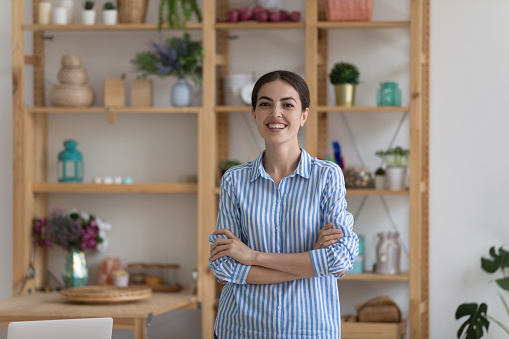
(349,10)
(132,11)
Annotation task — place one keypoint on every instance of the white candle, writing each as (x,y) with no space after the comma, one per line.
(60,16)
(44,12)
(69,5)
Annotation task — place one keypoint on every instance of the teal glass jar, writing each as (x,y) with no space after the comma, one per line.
(70,163)
(388,94)
(358,264)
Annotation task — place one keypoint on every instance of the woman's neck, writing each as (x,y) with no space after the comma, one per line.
(280,162)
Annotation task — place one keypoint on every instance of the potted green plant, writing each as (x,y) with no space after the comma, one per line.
(477,314)
(178,12)
(396,161)
(110,13)
(345,78)
(380,178)
(176,57)
(227,164)
(88,14)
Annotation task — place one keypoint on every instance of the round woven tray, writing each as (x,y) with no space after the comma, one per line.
(105,294)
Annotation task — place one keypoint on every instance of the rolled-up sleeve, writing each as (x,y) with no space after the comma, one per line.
(341,255)
(227,269)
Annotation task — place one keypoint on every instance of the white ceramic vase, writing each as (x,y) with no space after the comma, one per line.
(379,182)
(88,17)
(396,177)
(110,16)
(182,93)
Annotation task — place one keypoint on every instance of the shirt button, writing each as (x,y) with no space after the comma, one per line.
(277,228)
(279,307)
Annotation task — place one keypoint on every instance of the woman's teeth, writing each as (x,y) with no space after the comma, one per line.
(276,126)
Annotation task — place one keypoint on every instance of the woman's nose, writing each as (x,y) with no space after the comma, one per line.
(276,112)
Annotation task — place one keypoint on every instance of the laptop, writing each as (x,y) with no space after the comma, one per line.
(88,328)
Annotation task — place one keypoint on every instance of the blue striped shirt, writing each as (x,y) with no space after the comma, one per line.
(284,219)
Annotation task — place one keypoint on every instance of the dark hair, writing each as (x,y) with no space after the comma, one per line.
(293,79)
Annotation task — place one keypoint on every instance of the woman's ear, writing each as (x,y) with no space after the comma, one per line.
(304,117)
(253,114)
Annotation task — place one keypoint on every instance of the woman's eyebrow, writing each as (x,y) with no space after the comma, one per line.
(282,99)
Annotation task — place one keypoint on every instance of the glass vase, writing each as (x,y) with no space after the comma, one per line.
(75,272)
(182,93)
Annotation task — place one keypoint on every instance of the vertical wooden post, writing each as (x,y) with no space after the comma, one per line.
(312,76)
(207,147)
(418,172)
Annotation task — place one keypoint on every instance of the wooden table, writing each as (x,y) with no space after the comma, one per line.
(135,315)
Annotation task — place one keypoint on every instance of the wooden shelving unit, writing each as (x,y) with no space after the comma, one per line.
(31,186)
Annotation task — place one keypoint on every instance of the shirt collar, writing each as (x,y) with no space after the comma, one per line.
(303,168)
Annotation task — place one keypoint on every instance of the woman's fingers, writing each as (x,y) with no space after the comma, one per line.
(224,231)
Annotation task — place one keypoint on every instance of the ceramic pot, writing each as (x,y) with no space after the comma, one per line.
(75,272)
(388,253)
(396,177)
(345,95)
(110,17)
(88,17)
(379,182)
(182,93)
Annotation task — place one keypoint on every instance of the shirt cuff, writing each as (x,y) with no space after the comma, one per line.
(240,274)
(320,262)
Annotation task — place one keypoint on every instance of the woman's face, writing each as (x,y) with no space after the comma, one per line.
(278,114)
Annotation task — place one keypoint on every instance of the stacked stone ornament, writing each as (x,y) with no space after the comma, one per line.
(73,90)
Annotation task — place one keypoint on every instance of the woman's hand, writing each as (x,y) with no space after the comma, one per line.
(328,236)
(232,247)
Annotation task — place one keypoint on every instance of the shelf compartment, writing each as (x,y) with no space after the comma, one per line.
(363,24)
(363,109)
(100,27)
(142,110)
(375,277)
(259,25)
(53,187)
(357,330)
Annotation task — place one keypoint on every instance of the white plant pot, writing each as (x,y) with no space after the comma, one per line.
(380,182)
(88,17)
(110,17)
(396,177)
(60,16)
(182,94)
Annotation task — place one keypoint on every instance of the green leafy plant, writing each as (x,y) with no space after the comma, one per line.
(180,57)
(227,164)
(477,315)
(88,5)
(178,12)
(394,157)
(109,6)
(344,73)
(380,171)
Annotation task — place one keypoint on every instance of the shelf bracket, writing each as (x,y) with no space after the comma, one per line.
(112,115)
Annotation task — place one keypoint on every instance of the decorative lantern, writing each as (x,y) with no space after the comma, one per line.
(70,163)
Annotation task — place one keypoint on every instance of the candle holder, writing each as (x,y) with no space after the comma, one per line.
(70,163)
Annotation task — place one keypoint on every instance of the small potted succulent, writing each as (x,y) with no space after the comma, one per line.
(396,161)
(88,14)
(110,13)
(345,78)
(380,179)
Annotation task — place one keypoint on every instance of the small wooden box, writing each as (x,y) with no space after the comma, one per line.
(114,93)
(141,93)
(358,330)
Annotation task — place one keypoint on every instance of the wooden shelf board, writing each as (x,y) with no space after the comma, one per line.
(375,277)
(370,191)
(260,25)
(362,24)
(53,187)
(363,109)
(101,27)
(116,109)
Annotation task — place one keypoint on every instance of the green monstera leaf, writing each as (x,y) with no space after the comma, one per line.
(472,328)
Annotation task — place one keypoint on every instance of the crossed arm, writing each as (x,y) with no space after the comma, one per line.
(270,268)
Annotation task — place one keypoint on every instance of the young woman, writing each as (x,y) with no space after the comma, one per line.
(283,234)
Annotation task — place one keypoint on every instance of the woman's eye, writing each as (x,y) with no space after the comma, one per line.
(289,105)
(264,104)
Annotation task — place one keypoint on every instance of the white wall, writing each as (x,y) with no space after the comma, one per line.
(469,188)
